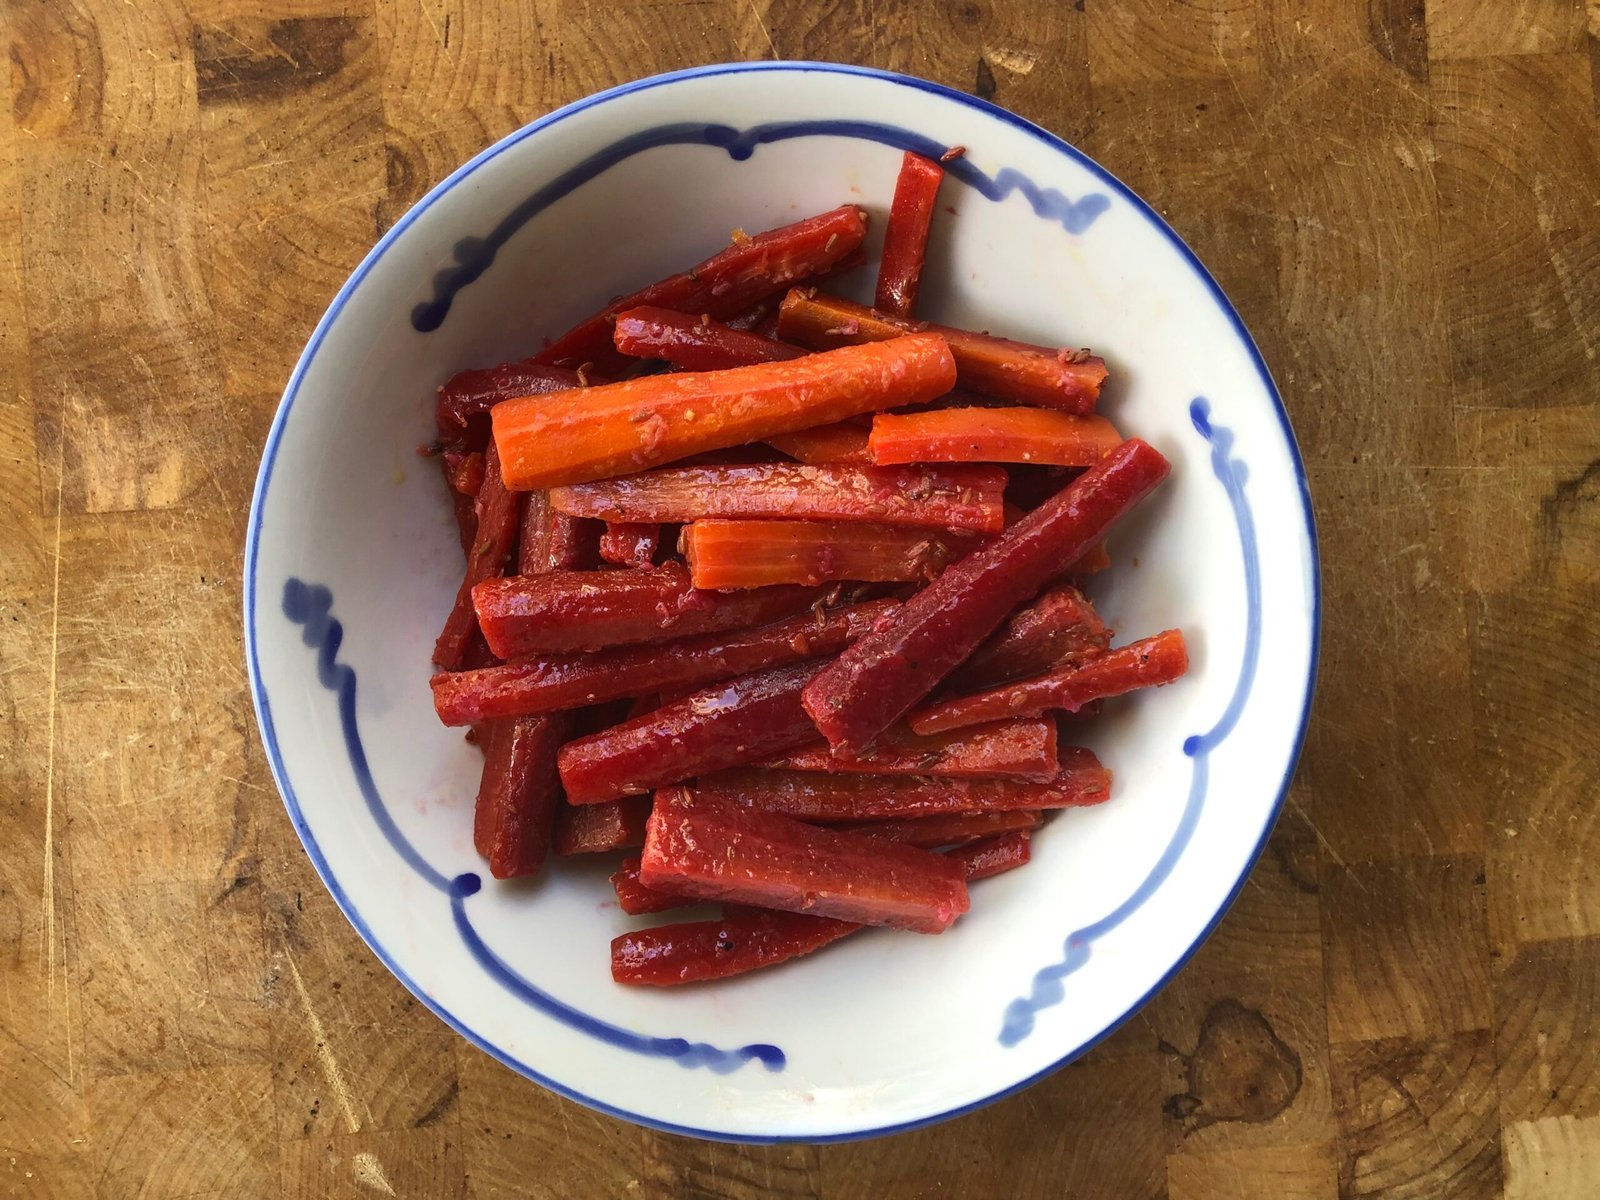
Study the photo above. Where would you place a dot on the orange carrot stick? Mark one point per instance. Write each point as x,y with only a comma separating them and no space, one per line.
1017,435
842,443
995,366
621,428
751,554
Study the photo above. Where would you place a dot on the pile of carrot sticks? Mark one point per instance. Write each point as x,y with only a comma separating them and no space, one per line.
785,594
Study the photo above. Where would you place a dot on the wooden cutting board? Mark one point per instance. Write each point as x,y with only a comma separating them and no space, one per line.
1403,199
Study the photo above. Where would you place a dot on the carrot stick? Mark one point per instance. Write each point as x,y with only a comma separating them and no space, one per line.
883,675
1015,371
762,318
463,475
620,428
596,828
747,939
1095,559
1018,435
518,794
725,284
949,829
1149,662
1034,638
634,898
463,471
722,851
694,343
905,238
739,941
1018,749
754,554
843,442
466,516
935,497
491,550
726,725
553,541
818,796
564,611
995,853
472,393
630,543
541,685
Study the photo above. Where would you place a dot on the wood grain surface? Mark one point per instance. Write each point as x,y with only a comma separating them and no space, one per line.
1403,199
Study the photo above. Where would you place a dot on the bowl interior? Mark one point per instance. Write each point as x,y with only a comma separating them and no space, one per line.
354,561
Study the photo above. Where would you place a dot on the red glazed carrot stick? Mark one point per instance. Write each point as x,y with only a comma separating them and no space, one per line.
694,343
1150,662
905,238
491,551
463,470
843,442
725,284
634,898
466,515
463,475
541,685
1035,637
518,795
620,428
474,392
630,543
1015,371
1018,749
817,796
755,554
721,851
995,855
553,541
739,941
949,829
742,720
596,828
1016,435
961,497
563,611
883,675
747,939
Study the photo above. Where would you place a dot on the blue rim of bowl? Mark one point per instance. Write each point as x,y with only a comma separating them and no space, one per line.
269,455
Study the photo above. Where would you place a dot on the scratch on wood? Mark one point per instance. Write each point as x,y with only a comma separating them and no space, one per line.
1326,845
325,1055
49,913
765,32
369,1171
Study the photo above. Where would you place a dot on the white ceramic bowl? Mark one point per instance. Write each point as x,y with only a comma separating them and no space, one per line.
352,562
